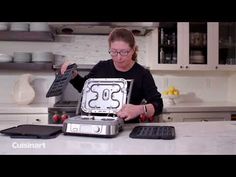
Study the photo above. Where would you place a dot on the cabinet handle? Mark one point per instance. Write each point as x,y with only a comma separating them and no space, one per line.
181,66
216,67
38,120
186,67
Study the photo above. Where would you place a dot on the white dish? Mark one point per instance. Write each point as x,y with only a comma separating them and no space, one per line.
59,59
5,58
21,57
197,57
39,26
42,57
19,26
3,26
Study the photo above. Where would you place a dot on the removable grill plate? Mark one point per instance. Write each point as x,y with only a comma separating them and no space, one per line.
61,81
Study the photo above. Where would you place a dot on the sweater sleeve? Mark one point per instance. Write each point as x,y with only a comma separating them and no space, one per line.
78,81
151,93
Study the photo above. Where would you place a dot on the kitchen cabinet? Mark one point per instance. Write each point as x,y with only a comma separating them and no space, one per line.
17,119
45,36
195,116
226,46
194,46
39,119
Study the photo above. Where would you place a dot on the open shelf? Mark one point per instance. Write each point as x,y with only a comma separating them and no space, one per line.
27,66
26,36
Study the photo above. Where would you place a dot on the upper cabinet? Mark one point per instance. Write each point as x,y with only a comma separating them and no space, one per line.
192,46
226,53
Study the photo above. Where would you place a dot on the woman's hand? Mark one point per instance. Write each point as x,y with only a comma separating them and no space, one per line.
64,68
130,111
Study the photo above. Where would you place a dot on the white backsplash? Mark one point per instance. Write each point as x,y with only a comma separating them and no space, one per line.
89,49
203,86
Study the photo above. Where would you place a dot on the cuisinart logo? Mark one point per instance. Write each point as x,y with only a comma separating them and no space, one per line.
16,145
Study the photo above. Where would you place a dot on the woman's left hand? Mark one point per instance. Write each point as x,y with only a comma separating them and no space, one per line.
129,111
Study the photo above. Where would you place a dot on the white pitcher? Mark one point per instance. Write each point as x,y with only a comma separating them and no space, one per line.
23,92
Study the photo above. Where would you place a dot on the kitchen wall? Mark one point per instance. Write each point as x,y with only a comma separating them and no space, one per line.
40,82
89,49
194,86
232,87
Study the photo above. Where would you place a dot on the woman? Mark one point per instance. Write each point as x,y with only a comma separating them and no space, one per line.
123,50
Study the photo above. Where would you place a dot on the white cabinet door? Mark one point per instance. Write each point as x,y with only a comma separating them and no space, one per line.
17,119
195,117
155,47
40,119
187,53
225,38
13,119
201,40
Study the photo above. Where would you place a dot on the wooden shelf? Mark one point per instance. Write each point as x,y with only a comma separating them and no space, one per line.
27,66
26,36
86,67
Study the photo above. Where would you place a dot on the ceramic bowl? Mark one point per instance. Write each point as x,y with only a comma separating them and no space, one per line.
169,99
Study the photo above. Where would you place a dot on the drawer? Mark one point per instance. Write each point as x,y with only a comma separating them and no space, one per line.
13,119
17,119
195,117
38,119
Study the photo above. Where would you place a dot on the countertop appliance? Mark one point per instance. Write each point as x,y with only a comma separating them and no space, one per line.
101,99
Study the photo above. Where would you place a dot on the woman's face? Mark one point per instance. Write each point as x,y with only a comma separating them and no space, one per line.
121,54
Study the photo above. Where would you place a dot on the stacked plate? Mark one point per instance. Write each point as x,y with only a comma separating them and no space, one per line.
3,26
22,57
197,57
39,26
5,58
42,57
19,26
59,59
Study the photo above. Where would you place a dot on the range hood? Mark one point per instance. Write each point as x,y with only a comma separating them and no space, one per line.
101,28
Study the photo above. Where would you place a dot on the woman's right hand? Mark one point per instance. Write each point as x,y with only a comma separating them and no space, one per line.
64,68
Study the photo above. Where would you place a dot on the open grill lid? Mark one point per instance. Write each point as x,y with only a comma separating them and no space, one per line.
104,95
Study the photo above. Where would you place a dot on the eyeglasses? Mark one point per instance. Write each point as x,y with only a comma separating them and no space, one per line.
122,53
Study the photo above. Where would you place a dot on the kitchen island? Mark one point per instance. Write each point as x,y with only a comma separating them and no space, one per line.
191,138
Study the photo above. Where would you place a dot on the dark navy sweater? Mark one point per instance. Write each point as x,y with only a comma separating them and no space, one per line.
144,87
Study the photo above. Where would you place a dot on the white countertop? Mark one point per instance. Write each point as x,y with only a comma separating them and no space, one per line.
191,138
201,107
